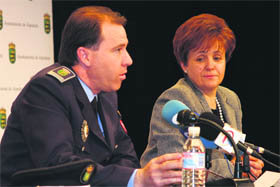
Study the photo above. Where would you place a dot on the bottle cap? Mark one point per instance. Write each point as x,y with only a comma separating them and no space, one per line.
194,131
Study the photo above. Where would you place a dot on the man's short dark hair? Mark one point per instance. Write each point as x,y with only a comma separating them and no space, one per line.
83,29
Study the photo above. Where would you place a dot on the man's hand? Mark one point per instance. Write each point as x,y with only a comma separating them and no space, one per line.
160,171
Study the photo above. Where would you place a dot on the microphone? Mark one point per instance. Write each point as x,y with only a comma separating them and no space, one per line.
237,165
220,139
261,150
180,116
171,111
256,148
204,117
173,108
236,135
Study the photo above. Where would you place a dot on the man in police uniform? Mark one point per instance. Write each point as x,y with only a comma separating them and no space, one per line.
53,122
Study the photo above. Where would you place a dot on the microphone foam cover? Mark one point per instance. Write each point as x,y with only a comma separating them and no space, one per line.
170,111
207,130
212,117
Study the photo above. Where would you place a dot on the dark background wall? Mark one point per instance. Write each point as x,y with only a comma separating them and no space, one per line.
253,71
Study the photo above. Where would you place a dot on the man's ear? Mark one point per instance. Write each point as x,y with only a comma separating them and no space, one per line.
83,56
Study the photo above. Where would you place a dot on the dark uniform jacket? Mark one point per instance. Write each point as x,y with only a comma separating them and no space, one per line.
48,126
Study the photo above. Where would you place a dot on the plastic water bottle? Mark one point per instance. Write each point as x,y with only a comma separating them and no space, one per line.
194,171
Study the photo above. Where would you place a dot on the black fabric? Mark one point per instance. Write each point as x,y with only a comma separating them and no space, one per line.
216,112
55,175
97,108
97,111
94,106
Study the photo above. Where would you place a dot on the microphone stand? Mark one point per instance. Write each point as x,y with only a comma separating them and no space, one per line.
191,118
246,165
237,181
237,172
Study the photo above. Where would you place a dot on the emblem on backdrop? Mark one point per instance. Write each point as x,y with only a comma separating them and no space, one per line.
47,23
1,19
3,121
12,52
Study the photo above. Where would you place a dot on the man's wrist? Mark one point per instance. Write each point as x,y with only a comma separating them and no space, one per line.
132,179
138,180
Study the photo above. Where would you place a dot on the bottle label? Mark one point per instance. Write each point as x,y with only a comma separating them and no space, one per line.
193,160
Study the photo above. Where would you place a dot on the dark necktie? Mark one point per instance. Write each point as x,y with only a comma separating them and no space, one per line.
97,114
94,106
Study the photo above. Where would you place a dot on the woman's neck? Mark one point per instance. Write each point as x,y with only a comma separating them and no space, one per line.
211,99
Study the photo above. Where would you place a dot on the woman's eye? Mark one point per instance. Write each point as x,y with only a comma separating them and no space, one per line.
199,59
217,58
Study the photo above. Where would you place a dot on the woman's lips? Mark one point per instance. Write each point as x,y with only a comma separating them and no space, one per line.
210,76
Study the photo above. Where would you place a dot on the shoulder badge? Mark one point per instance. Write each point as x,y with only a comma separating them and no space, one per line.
87,174
62,73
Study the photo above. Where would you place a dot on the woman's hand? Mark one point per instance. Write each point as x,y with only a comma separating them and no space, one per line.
256,166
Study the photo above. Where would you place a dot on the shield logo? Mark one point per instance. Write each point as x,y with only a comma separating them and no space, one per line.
1,20
84,131
12,52
47,23
63,72
3,118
